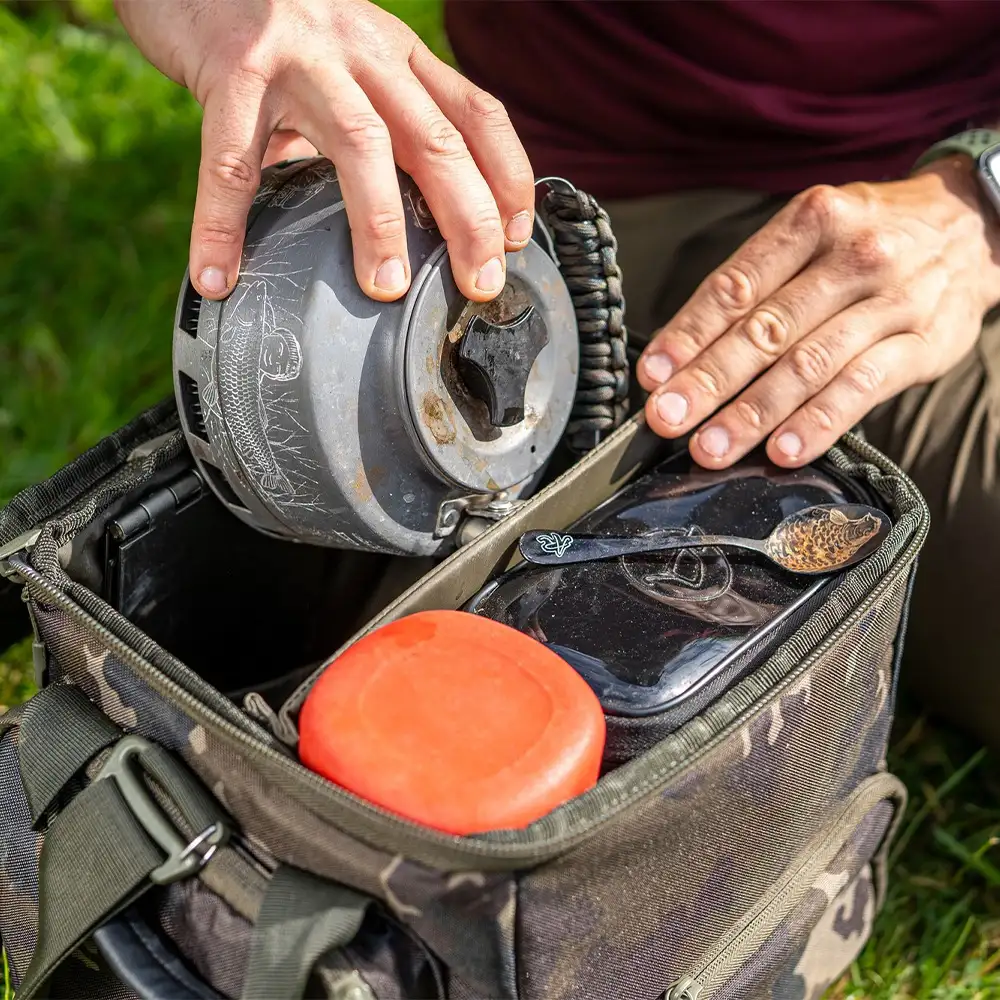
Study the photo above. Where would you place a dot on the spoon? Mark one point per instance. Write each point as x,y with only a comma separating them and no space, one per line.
818,539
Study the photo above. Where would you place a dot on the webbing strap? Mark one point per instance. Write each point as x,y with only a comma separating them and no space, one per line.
113,840
60,732
301,919
95,860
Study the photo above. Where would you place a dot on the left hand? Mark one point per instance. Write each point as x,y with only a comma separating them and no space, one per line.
844,299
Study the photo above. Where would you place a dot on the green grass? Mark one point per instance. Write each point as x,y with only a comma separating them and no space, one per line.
98,164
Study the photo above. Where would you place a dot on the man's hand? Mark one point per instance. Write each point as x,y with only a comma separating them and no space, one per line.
845,298
292,76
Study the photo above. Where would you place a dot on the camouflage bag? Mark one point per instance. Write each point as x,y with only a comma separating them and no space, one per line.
158,837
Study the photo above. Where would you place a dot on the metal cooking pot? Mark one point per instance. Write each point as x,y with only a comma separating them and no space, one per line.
317,414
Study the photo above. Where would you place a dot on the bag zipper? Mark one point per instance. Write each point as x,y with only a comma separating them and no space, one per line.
508,851
732,952
500,850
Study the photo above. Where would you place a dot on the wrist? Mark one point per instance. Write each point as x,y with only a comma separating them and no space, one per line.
952,184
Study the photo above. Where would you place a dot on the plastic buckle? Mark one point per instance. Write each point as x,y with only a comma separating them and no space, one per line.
24,542
183,859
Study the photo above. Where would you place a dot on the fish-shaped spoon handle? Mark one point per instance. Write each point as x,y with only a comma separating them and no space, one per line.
820,539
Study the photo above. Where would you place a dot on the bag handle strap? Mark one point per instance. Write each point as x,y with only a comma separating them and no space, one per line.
60,731
112,842
301,919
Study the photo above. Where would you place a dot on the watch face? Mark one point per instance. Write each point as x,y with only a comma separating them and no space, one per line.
989,172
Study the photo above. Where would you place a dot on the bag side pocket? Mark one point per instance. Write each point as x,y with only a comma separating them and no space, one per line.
813,923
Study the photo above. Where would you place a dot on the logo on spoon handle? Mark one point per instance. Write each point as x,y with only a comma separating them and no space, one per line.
554,544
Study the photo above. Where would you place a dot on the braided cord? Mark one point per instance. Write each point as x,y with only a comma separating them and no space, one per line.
587,252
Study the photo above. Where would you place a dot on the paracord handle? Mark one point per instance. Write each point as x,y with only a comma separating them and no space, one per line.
587,253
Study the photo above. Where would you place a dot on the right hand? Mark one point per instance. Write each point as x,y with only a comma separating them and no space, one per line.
279,77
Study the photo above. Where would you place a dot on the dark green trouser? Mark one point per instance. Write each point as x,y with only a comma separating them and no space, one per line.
946,436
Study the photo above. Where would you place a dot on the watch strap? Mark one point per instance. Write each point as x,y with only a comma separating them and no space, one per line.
972,143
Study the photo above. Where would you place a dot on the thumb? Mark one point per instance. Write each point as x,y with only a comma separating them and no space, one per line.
233,139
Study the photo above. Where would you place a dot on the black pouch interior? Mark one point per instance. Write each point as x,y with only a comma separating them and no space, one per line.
244,610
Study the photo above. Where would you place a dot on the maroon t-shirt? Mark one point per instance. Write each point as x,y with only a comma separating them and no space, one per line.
637,98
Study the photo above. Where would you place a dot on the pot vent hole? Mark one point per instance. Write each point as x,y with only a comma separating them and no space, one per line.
190,311
222,488
192,406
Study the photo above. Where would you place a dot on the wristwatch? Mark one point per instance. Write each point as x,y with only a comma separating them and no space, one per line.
983,146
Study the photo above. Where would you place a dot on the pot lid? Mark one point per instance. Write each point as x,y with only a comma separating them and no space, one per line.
489,386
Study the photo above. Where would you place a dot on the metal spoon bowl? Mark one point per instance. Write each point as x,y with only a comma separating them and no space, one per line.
821,539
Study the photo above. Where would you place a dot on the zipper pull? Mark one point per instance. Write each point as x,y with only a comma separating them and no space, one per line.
256,706
683,989
39,654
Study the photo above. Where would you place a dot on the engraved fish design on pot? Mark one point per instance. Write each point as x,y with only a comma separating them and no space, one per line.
241,375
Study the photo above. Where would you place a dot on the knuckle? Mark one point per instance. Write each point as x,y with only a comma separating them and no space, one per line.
821,415
484,225
768,330
365,134
216,234
687,338
864,377
234,171
869,252
256,67
822,206
894,297
384,227
752,412
733,287
708,379
484,107
367,34
826,285
442,141
812,363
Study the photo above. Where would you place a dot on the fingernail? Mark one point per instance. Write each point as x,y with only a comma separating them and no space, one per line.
715,441
519,228
672,408
391,275
213,280
658,367
789,444
490,275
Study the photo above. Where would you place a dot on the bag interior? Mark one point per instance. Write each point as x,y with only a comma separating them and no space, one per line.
258,618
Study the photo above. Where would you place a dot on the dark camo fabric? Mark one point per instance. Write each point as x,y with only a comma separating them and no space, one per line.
467,918
20,847
637,905
825,932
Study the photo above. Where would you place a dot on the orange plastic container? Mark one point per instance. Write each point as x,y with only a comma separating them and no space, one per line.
454,721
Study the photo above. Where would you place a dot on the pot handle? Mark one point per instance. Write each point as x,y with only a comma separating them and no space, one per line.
587,253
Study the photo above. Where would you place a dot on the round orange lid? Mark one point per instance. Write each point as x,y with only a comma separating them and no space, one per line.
454,721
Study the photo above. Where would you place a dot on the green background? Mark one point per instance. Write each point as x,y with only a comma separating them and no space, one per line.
98,162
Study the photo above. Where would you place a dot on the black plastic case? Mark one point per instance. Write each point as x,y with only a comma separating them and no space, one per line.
658,637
